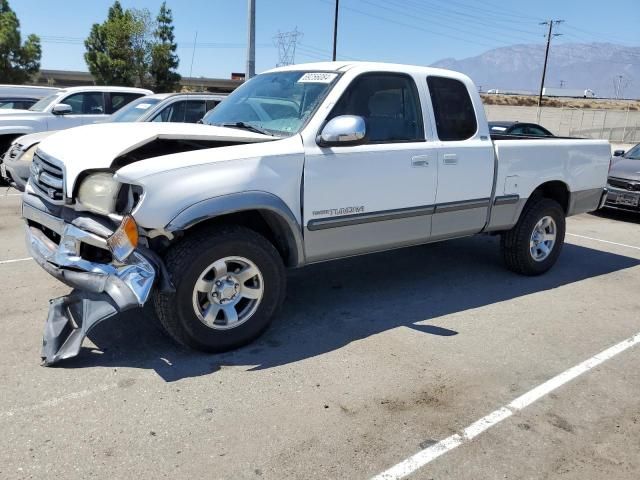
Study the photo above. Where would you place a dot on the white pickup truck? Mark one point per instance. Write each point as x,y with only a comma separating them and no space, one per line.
301,164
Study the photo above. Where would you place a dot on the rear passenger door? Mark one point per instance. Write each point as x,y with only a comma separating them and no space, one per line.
465,161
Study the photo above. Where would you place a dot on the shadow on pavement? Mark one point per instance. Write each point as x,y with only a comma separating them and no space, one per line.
333,304
619,215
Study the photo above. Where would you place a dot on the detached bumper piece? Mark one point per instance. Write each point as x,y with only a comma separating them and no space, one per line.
101,290
69,321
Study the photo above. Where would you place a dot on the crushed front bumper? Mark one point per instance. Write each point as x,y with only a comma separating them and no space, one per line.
101,290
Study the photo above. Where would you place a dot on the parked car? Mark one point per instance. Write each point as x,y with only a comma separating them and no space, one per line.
519,128
66,108
299,165
160,107
22,97
624,181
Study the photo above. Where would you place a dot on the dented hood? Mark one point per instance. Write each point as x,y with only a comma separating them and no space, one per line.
97,146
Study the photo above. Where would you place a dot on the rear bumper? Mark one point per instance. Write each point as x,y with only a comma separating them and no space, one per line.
101,290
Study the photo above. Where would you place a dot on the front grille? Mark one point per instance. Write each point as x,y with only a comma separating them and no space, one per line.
629,185
47,178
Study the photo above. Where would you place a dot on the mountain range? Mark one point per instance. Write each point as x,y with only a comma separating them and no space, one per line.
596,66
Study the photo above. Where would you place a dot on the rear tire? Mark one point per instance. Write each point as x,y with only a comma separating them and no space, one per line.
230,282
532,247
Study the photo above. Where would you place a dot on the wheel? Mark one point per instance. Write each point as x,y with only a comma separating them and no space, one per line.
230,282
532,247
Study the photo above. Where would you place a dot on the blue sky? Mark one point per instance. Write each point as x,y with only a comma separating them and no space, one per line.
404,31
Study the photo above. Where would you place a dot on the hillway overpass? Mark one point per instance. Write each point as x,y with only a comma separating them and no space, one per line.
65,78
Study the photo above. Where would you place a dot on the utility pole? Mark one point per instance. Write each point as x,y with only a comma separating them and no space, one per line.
335,30
251,43
550,35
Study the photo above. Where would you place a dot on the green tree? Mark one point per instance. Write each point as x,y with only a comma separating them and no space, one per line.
164,60
18,61
109,48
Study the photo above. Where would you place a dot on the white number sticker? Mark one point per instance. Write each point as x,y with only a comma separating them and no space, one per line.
318,77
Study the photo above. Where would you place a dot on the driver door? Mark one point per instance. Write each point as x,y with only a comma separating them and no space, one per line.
86,107
378,195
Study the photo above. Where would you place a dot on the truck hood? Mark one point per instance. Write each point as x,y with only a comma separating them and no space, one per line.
99,146
625,168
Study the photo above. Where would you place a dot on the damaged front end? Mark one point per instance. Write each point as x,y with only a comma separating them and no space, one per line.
77,250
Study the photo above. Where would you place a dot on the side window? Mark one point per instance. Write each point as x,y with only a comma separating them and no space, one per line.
173,113
536,131
89,103
390,105
119,100
453,109
195,110
211,104
518,130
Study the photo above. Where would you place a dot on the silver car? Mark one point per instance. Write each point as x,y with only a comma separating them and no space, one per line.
624,181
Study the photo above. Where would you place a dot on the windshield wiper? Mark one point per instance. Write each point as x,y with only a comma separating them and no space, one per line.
244,126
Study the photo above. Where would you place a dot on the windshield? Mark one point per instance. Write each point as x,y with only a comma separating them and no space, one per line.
133,111
41,105
633,154
279,103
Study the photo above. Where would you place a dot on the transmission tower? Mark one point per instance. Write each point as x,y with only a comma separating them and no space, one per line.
286,43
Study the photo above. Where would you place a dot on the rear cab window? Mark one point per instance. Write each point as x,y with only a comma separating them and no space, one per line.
453,109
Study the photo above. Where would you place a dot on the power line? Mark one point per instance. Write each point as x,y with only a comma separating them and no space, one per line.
550,35
286,43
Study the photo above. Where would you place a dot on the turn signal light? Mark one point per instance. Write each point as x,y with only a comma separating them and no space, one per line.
124,240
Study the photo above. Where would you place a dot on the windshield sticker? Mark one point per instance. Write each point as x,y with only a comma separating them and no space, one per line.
143,106
318,77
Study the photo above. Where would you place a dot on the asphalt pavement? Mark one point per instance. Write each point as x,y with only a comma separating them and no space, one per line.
373,360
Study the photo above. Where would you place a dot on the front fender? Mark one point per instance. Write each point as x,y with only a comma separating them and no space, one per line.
242,202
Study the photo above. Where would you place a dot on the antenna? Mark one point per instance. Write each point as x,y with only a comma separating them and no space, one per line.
286,43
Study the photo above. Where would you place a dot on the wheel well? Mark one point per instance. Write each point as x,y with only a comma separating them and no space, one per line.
6,140
268,224
555,190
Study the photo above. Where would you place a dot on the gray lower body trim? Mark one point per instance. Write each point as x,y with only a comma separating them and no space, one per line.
584,201
506,200
279,213
348,235
357,219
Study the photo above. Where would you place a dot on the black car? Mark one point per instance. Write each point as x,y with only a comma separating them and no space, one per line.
519,128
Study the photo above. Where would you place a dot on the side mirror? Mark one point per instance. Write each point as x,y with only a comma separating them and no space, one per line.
618,153
343,131
61,109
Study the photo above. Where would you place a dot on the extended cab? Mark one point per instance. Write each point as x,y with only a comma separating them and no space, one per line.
301,164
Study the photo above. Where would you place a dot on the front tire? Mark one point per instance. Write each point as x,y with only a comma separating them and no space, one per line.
532,247
230,282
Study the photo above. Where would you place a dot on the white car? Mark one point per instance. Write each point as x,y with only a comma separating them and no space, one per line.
66,108
301,164
159,107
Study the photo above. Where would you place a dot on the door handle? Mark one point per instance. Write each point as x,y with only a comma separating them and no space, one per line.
450,159
420,161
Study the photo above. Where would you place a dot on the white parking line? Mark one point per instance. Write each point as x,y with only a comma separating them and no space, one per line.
56,401
603,241
15,260
423,457
11,195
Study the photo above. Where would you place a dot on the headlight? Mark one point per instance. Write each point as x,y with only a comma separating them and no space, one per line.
99,193
27,155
